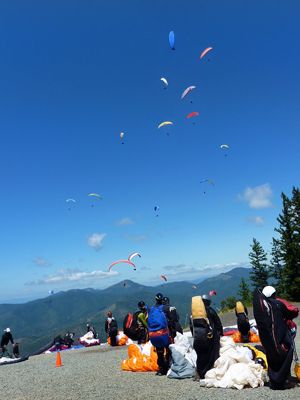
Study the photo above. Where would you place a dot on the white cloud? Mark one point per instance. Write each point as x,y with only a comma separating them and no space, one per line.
125,221
73,275
95,240
41,262
186,271
136,238
258,196
257,220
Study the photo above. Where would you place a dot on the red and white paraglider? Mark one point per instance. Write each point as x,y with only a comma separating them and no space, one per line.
128,261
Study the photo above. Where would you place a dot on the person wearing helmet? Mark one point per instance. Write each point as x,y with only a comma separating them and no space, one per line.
159,334
272,315
173,318
6,338
111,328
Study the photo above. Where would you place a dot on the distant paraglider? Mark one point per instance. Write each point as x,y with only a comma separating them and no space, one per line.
156,210
205,51
172,40
121,262
192,115
164,278
224,147
94,197
71,203
187,91
51,292
208,181
212,293
131,257
164,124
165,82
122,136
194,287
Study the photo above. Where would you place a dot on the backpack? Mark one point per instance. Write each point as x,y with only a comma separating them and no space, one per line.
202,332
131,327
157,319
113,327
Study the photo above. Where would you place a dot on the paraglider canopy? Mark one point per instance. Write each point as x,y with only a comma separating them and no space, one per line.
212,293
165,82
131,256
205,51
165,123
187,91
172,40
163,277
192,114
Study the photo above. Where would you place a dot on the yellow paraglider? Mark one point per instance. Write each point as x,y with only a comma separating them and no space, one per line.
165,123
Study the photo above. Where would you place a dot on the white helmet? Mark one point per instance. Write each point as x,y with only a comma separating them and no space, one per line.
268,291
7,330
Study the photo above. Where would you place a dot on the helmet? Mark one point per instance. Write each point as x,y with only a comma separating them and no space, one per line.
206,299
159,297
268,291
109,314
7,330
166,301
260,361
141,304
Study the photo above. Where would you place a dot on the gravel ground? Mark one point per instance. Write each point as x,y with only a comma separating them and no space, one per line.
95,373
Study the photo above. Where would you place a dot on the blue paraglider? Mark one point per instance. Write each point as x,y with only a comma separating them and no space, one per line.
156,210
172,40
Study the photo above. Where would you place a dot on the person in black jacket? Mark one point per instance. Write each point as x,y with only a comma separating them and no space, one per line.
172,317
6,338
207,349
243,323
111,328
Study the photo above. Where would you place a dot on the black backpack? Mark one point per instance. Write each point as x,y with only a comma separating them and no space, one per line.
131,327
202,332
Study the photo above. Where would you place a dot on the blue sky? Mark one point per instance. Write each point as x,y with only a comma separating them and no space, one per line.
73,75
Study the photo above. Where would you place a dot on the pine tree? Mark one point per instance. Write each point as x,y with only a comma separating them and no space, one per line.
260,270
277,267
289,244
244,293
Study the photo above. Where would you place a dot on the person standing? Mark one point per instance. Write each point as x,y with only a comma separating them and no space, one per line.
111,328
173,318
6,338
206,328
243,324
159,334
271,317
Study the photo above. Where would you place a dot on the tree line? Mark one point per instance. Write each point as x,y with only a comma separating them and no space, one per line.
282,268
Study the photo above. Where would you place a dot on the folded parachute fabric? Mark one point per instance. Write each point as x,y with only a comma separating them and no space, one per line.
234,368
88,340
7,360
183,358
253,337
140,358
122,340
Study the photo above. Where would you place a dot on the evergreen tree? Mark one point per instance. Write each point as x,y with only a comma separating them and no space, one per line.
289,244
260,270
244,293
276,267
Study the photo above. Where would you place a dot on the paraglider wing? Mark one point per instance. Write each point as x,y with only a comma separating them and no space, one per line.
172,40
120,262
224,146
121,135
164,278
205,51
164,124
192,114
187,91
70,201
212,293
194,287
165,82
130,258
95,196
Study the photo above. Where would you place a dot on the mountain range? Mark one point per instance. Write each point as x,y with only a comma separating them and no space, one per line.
37,322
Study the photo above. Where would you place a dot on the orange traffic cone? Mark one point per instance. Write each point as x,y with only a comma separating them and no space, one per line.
58,360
